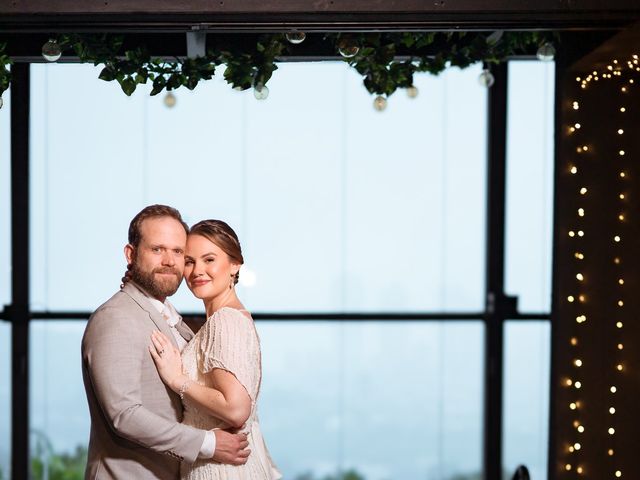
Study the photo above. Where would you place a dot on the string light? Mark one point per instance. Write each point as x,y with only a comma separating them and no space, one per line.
622,172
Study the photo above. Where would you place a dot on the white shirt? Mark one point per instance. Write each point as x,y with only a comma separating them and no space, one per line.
172,317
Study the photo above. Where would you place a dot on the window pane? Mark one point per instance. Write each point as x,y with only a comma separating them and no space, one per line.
526,396
340,204
58,409
5,200
339,396
530,184
5,400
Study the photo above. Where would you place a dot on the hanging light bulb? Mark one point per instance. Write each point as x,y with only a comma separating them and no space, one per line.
170,100
295,37
486,78
380,103
260,91
546,52
51,51
348,47
412,91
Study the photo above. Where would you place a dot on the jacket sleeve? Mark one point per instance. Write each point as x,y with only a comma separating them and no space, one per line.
115,353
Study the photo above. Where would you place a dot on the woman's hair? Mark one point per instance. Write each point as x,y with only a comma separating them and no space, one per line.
220,233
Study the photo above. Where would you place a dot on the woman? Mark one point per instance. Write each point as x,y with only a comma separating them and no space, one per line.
218,376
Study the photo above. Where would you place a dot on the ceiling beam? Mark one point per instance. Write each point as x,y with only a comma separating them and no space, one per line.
317,15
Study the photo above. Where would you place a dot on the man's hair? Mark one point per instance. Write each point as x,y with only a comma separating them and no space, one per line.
152,211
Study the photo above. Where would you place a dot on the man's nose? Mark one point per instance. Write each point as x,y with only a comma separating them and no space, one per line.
167,259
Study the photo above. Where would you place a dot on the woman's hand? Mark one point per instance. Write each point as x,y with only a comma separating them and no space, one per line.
168,361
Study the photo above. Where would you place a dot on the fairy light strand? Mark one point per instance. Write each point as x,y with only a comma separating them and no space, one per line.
573,465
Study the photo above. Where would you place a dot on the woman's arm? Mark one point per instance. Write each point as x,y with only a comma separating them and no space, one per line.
230,401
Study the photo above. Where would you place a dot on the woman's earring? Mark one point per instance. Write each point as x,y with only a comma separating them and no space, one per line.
231,282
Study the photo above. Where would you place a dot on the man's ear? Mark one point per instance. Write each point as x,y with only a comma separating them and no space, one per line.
129,253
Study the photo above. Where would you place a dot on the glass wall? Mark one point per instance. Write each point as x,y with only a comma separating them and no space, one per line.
385,400
339,207
59,415
5,200
528,263
5,285
529,206
526,396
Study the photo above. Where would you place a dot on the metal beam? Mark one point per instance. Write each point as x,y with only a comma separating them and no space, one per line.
19,309
320,316
498,306
323,15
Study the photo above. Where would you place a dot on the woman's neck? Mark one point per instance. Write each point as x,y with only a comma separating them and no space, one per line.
227,299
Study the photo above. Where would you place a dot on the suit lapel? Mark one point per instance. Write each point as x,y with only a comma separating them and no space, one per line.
140,297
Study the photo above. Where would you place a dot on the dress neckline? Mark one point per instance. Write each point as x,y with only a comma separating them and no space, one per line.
237,310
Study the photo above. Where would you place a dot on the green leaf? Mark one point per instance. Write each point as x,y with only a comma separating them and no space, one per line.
107,74
128,86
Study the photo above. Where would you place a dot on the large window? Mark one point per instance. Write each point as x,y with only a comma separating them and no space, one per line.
526,401
5,287
529,221
340,209
387,400
530,184
5,400
59,415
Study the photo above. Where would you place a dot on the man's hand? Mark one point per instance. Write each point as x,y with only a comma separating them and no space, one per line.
231,448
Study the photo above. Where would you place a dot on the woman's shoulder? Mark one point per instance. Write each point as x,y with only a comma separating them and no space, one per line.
231,317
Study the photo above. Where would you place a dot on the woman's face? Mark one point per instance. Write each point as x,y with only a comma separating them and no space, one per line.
207,268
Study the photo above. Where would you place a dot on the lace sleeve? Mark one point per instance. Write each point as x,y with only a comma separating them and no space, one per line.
230,342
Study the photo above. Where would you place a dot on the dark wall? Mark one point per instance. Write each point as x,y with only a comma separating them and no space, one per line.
597,317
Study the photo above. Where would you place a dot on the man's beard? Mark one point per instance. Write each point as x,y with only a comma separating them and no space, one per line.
156,287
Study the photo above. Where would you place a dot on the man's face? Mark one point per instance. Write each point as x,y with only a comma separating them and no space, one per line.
157,263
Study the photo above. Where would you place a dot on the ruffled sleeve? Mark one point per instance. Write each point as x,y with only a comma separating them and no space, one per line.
230,342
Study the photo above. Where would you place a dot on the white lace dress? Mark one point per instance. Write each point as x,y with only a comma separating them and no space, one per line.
228,340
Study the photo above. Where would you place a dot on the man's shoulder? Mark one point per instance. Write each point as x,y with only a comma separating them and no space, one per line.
118,300
112,315
119,305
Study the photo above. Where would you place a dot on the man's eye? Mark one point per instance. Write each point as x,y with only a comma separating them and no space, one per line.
156,249
177,251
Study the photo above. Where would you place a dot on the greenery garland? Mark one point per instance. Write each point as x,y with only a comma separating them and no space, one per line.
386,61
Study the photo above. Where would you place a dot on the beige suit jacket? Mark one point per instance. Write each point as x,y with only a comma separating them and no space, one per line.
135,419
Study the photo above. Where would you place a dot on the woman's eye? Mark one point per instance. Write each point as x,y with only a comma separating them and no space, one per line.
188,262
209,260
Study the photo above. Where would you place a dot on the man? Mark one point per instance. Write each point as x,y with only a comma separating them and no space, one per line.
135,420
